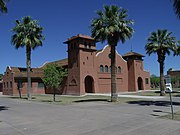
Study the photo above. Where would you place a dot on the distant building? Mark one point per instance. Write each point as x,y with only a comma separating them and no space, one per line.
89,70
175,77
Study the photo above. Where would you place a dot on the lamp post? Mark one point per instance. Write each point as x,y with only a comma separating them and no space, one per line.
169,90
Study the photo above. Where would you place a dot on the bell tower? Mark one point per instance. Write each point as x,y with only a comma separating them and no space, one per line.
135,71
81,64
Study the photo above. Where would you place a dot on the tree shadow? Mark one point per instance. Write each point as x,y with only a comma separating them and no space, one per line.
2,108
92,100
49,101
25,98
153,103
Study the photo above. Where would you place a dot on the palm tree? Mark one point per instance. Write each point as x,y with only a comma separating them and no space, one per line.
176,5
112,25
161,43
27,34
3,7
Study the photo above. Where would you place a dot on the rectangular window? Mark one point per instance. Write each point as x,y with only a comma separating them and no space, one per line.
40,85
147,81
4,85
7,85
10,84
19,84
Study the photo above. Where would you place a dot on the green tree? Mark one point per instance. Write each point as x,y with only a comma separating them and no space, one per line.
176,5
53,77
3,7
178,50
27,33
161,43
154,81
1,75
112,26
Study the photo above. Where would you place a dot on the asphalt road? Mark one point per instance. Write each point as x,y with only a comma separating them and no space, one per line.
18,117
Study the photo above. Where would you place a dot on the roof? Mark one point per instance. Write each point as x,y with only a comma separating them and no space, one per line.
22,72
79,36
63,62
35,72
132,54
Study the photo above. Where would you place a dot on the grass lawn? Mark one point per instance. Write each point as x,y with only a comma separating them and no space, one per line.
169,116
65,100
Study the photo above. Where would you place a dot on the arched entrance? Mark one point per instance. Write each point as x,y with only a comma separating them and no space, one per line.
140,83
89,84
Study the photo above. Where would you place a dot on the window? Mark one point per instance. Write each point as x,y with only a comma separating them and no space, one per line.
110,69
4,85
85,44
109,55
101,68
147,81
7,85
19,84
106,68
40,85
89,45
119,69
10,84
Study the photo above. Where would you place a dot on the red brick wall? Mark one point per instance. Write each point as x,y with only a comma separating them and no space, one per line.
104,78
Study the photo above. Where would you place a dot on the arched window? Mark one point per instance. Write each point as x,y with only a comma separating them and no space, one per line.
110,69
85,44
119,69
106,68
101,68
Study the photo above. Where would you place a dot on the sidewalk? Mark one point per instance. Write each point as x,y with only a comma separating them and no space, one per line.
127,95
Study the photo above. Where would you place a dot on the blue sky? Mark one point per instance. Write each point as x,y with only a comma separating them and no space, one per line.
62,19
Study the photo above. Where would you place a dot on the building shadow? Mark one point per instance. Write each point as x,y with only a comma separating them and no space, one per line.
2,108
153,103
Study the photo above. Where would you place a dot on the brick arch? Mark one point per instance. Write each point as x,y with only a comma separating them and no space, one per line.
140,83
89,84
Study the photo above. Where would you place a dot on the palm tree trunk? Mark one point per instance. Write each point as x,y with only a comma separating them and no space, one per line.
28,64
54,94
113,74
162,86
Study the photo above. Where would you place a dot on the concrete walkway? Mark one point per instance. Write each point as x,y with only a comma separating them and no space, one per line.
125,94
20,117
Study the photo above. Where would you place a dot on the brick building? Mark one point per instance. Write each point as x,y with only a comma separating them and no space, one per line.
89,70
15,79
175,78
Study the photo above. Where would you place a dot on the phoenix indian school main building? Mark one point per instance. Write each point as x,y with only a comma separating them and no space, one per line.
89,71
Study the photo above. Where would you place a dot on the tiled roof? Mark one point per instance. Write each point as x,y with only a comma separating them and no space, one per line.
63,62
35,72
132,54
22,72
79,36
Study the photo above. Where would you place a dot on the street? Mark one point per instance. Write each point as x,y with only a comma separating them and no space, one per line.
21,117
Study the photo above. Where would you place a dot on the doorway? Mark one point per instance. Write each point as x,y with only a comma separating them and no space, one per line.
140,83
89,84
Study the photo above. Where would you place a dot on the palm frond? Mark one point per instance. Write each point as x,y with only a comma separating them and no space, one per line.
27,33
176,5
112,25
